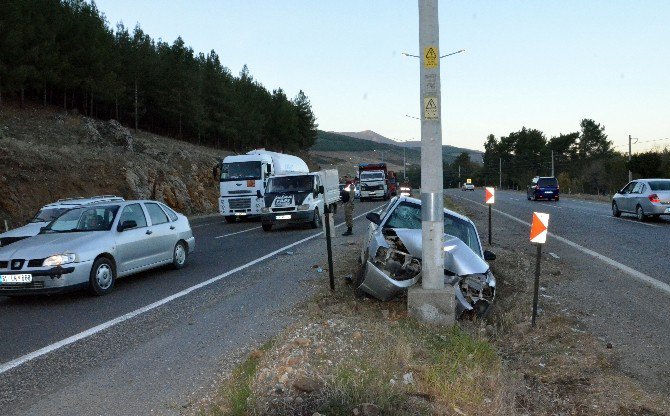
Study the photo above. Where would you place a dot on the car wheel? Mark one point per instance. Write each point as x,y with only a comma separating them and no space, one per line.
316,221
639,212
267,227
615,210
527,197
102,277
179,255
230,219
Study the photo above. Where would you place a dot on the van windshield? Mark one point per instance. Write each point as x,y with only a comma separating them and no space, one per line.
298,183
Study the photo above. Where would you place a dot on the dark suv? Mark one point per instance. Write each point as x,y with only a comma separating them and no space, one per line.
543,187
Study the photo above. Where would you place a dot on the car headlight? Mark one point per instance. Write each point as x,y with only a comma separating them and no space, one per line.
59,259
303,207
265,210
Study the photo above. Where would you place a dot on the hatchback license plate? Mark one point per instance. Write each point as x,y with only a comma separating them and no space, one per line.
284,217
548,192
16,278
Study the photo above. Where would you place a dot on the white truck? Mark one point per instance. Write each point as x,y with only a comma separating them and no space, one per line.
243,179
373,179
300,198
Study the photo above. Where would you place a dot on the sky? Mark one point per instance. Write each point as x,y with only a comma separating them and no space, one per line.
537,64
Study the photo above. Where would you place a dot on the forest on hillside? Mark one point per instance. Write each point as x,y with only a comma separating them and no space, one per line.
584,161
64,53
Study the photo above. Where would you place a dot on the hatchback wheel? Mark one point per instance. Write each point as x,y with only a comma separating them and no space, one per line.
179,255
102,277
615,210
640,214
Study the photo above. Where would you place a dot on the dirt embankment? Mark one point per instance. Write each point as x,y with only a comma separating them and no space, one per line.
46,155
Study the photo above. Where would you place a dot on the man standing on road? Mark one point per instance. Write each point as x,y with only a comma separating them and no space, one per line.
347,196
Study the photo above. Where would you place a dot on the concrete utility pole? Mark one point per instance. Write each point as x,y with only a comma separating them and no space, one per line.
432,302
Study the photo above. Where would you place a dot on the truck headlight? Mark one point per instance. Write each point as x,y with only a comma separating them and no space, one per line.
59,259
303,207
265,210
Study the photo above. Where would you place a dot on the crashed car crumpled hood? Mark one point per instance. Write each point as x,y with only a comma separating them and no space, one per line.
458,257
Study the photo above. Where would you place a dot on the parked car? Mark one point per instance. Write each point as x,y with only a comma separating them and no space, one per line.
644,198
391,256
543,187
93,245
48,213
468,187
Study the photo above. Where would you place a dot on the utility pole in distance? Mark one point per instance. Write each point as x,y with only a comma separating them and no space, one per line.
432,302
500,175
630,156
552,163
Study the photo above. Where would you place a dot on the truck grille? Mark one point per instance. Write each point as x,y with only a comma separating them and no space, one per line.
283,209
239,203
374,187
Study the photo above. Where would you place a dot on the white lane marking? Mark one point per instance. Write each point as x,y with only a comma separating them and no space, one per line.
636,274
105,325
554,255
239,232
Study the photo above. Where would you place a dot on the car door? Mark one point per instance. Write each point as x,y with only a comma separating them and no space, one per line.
623,201
132,250
162,237
634,196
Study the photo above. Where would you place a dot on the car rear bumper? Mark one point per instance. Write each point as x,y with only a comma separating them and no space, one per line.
48,281
546,194
657,209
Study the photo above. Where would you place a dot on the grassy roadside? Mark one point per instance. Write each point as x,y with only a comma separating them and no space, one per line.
364,357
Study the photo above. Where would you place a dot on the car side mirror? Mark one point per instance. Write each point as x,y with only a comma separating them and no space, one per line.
489,255
374,217
126,225
259,194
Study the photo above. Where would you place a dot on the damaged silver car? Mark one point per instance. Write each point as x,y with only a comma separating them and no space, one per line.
391,256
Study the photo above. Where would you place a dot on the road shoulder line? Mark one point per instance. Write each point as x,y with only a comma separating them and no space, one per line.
657,284
4,367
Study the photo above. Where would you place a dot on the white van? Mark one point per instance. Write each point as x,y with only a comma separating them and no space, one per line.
300,198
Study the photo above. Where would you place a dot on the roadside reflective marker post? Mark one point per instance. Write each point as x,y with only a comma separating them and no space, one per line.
329,248
538,236
490,200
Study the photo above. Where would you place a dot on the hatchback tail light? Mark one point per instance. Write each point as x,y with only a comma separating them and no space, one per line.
654,198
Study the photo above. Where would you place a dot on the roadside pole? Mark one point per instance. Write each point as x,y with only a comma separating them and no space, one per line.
329,248
538,236
6,226
489,199
432,302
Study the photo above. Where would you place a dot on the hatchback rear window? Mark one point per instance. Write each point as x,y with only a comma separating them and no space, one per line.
659,185
547,182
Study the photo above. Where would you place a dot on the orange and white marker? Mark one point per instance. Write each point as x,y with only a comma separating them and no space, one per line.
490,195
538,231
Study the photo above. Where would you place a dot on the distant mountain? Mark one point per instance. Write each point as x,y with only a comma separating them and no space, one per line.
370,140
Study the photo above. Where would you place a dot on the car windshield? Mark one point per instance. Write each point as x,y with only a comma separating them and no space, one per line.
98,218
240,170
659,185
372,176
408,215
547,182
48,214
301,183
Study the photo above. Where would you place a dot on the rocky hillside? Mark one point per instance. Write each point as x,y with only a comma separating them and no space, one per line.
47,155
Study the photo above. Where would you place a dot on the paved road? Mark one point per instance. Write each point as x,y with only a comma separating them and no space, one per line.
615,273
158,359
641,246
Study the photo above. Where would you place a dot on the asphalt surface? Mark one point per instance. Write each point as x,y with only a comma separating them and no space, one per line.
641,246
613,303
159,360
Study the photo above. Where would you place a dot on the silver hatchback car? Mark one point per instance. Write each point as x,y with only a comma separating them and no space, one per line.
91,246
644,198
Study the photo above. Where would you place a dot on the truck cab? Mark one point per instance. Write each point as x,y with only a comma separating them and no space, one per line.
373,180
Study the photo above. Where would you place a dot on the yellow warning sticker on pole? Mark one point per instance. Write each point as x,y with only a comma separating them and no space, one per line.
430,108
430,57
